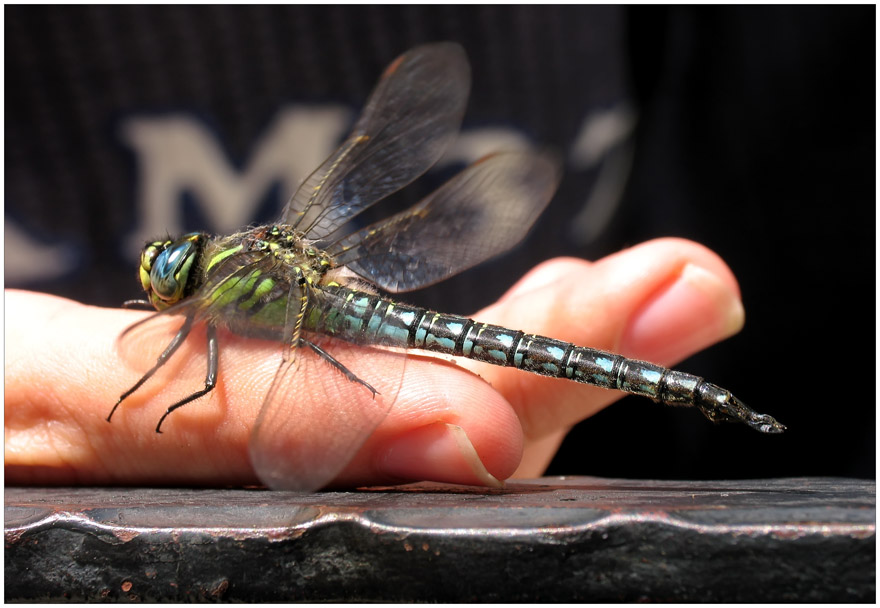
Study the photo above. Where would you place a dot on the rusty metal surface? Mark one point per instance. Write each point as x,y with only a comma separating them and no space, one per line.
551,539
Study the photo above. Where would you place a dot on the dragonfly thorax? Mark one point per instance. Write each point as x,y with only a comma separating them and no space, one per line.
290,247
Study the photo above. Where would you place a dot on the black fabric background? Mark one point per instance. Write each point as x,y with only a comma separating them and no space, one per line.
755,137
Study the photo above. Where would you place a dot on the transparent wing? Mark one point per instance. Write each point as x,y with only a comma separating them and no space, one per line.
315,418
481,212
409,120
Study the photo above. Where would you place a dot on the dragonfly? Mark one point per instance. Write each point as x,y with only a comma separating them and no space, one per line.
317,286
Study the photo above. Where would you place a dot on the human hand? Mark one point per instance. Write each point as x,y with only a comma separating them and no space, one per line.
660,301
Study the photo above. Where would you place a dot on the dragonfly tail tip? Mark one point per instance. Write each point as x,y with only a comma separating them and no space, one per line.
718,405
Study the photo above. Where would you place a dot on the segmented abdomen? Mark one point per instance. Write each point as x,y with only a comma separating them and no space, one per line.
365,318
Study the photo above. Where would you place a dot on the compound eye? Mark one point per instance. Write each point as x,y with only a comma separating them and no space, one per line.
170,271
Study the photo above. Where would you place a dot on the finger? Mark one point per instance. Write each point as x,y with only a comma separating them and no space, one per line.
64,373
659,301
447,425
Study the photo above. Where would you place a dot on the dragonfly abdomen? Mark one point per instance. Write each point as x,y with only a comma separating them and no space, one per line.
365,318
463,337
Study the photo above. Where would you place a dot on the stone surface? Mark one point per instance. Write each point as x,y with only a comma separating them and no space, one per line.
543,540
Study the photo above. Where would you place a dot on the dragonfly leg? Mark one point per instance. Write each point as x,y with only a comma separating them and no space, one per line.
210,377
329,359
297,303
719,405
162,360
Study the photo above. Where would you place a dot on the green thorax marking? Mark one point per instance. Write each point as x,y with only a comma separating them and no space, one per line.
255,293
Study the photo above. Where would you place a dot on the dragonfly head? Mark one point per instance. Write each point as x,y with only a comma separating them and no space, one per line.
168,268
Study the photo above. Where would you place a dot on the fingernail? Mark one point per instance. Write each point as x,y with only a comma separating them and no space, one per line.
697,310
437,452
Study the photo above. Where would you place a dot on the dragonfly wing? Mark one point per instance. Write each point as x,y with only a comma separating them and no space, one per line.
315,415
410,119
482,212
315,419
